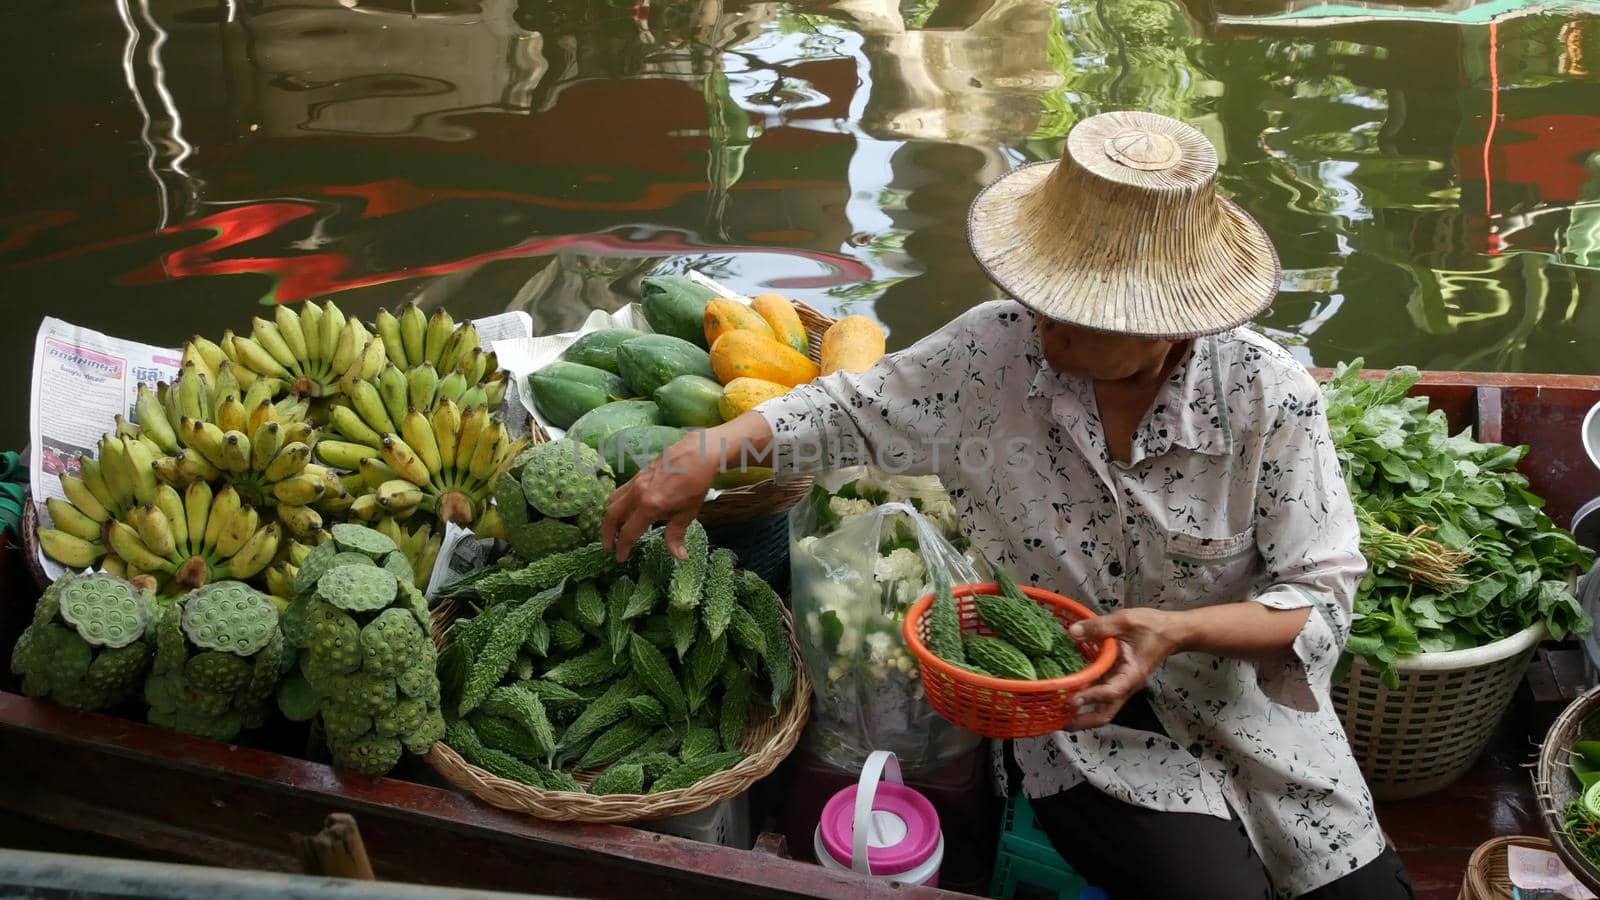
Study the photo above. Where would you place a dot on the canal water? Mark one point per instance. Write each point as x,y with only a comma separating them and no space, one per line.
1431,178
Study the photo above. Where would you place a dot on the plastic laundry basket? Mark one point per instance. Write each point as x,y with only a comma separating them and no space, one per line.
1427,732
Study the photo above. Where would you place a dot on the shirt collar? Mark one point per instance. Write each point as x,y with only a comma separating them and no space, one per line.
1189,410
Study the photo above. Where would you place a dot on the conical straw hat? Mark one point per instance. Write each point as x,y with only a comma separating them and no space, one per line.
1126,234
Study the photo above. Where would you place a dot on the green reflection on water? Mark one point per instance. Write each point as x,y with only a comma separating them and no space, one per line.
1432,188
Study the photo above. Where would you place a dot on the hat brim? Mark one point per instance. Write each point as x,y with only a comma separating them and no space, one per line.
1214,285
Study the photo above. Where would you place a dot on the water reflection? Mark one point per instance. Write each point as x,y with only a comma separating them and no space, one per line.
1432,187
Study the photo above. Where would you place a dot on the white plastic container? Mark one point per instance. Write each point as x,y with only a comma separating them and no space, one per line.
883,830
727,824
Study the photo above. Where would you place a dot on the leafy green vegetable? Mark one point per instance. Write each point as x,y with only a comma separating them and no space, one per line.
1460,553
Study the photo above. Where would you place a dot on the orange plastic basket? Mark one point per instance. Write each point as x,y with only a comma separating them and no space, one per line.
1000,707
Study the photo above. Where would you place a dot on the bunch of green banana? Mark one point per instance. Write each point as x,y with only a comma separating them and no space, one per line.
192,539
458,366
441,463
261,447
420,546
315,352
117,479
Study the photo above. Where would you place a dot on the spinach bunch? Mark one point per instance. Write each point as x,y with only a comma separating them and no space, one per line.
1429,502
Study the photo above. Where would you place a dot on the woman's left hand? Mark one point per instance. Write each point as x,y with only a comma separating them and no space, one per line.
1146,638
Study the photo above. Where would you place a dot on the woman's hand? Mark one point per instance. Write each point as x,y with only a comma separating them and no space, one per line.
671,489
1146,637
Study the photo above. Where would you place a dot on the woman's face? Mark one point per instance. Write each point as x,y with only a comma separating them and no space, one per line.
1100,357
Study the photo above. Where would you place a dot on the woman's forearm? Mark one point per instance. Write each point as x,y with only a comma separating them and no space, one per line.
744,442
1243,630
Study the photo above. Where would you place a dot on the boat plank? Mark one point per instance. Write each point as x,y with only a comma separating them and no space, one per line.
61,761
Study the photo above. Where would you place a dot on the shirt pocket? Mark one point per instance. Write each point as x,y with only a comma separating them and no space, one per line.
1202,571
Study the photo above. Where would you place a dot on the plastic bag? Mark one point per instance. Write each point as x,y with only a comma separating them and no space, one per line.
858,564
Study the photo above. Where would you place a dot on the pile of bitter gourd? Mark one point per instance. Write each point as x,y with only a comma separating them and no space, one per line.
1028,644
643,675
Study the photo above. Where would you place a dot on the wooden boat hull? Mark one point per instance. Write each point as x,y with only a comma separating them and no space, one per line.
205,802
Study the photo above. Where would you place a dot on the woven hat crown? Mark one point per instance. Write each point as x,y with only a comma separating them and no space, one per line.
1126,234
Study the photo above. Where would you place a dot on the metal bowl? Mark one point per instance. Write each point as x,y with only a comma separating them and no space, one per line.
1591,434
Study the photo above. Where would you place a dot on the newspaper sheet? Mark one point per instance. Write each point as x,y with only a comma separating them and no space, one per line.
82,379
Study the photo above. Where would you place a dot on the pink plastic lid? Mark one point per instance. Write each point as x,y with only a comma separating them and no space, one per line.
911,827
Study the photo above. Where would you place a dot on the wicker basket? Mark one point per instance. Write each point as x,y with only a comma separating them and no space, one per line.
1427,732
30,544
1555,786
767,742
1488,877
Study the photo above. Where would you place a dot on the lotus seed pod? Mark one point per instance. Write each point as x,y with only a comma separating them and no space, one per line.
229,616
558,478
104,609
170,649
194,701
48,605
297,700
117,671
222,726
360,539
397,565
431,731
368,695
293,623
416,602
404,717
343,725
544,537
264,674
333,643
161,693
391,643
60,653
358,588
316,564
421,681
352,559
371,754
213,670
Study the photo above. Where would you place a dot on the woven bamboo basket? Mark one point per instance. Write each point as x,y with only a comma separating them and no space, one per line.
768,741
1554,785
1488,874
1427,732
30,543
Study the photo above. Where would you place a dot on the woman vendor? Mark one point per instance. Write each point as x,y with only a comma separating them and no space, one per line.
1117,435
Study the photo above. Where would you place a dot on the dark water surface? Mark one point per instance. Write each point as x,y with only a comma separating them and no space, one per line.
1433,187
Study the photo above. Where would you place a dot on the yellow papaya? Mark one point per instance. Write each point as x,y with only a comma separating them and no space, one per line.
851,344
723,316
741,395
746,354
781,317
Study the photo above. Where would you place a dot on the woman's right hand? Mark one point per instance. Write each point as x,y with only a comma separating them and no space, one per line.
671,489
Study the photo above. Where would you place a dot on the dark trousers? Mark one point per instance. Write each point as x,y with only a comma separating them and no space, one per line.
1133,853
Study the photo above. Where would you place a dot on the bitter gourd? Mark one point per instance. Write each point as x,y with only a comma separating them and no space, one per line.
588,605
944,625
690,773
701,670
764,605
652,670
999,658
617,627
644,597
647,709
1017,621
621,778
746,631
461,737
523,706
589,667
615,743
689,575
604,711
700,741
500,650
582,564
719,595
683,624
565,637
734,713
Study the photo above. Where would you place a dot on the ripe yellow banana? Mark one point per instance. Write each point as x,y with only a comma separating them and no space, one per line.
264,446
280,580
298,551
235,453
366,508
487,452
94,479
206,351
231,415
299,490
236,531
116,471
171,506
225,385
125,541
224,506
167,471
153,420
68,549
446,424
472,423
392,388
299,521
344,454
142,463
475,396
298,433
256,553
270,339
475,365
197,499
375,472
203,437
84,500
413,334
194,467
255,357
404,460
488,525
439,328
289,462
155,532
418,434
462,343
369,405
70,519
399,497
347,423
112,564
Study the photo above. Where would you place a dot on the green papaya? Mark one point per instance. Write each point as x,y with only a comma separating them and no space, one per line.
599,348
631,449
563,391
649,362
690,401
677,306
602,422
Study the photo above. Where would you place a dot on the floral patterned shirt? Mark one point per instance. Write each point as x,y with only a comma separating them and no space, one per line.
1232,492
